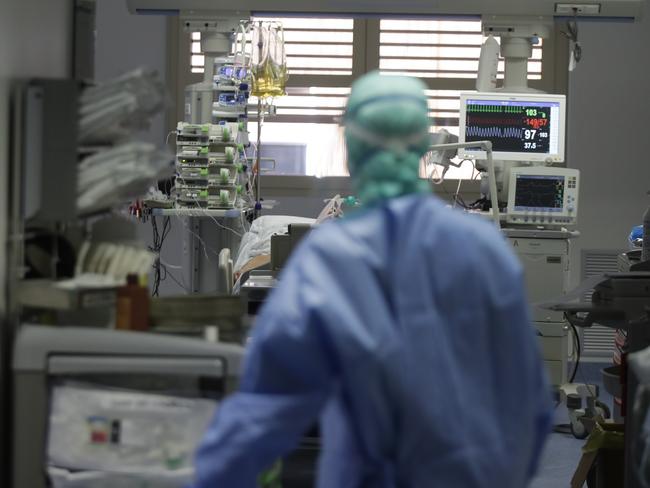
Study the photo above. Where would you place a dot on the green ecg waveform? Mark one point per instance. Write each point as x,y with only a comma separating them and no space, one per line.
495,109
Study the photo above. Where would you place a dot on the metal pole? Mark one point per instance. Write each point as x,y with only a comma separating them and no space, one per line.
258,162
492,181
195,226
258,183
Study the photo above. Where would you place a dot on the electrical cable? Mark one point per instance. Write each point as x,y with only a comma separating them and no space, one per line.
206,248
224,227
158,239
566,428
253,172
592,393
167,138
172,266
578,349
174,279
576,345
242,221
461,201
571,34
455,198
249,176
167,226
156,263
437,180
460,182
446,192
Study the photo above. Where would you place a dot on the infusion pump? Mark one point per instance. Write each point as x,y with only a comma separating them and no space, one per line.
544,195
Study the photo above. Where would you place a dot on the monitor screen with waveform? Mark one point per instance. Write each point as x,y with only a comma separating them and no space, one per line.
521,127
535,192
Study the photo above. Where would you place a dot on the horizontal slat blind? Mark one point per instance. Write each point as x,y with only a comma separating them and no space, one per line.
314,104
438,49
444,106
318,46
313,46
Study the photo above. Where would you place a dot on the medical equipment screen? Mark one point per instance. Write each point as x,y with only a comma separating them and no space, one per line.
539,192
514,126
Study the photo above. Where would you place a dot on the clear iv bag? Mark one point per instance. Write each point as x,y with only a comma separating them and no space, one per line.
268,60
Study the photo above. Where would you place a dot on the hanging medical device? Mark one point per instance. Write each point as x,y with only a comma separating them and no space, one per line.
517,37
211,169
268,60
525,126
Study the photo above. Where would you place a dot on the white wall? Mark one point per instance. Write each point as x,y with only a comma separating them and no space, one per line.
125,42
609,105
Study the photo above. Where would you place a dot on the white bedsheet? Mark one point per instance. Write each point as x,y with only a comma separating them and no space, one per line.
257,240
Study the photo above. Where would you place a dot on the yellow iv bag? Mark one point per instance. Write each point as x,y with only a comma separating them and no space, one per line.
269,63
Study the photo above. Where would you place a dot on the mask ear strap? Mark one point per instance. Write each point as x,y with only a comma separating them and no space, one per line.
399,145
380,98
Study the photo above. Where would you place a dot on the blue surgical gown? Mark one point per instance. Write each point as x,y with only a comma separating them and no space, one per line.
405,330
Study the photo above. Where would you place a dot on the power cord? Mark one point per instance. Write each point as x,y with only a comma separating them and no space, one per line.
578,349
571,34
160,271
206,248
222,226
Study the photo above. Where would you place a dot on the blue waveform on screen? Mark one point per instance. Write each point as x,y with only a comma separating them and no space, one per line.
491,132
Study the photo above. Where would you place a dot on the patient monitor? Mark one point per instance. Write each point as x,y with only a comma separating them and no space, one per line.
543,196
525,127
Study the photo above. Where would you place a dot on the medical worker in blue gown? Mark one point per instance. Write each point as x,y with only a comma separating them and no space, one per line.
403,327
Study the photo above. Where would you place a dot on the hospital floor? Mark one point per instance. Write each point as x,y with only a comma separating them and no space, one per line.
562,451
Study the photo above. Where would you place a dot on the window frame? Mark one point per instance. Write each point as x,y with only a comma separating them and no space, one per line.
366,57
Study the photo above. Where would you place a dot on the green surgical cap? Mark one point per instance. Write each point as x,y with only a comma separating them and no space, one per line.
386,134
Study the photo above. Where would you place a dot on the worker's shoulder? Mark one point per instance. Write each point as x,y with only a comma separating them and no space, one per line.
470,234
430,213
333,236
415,221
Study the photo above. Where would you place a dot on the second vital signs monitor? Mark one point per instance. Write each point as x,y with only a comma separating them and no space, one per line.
527,127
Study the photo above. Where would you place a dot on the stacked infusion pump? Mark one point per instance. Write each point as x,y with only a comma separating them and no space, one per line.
540,197
210,158
209,165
